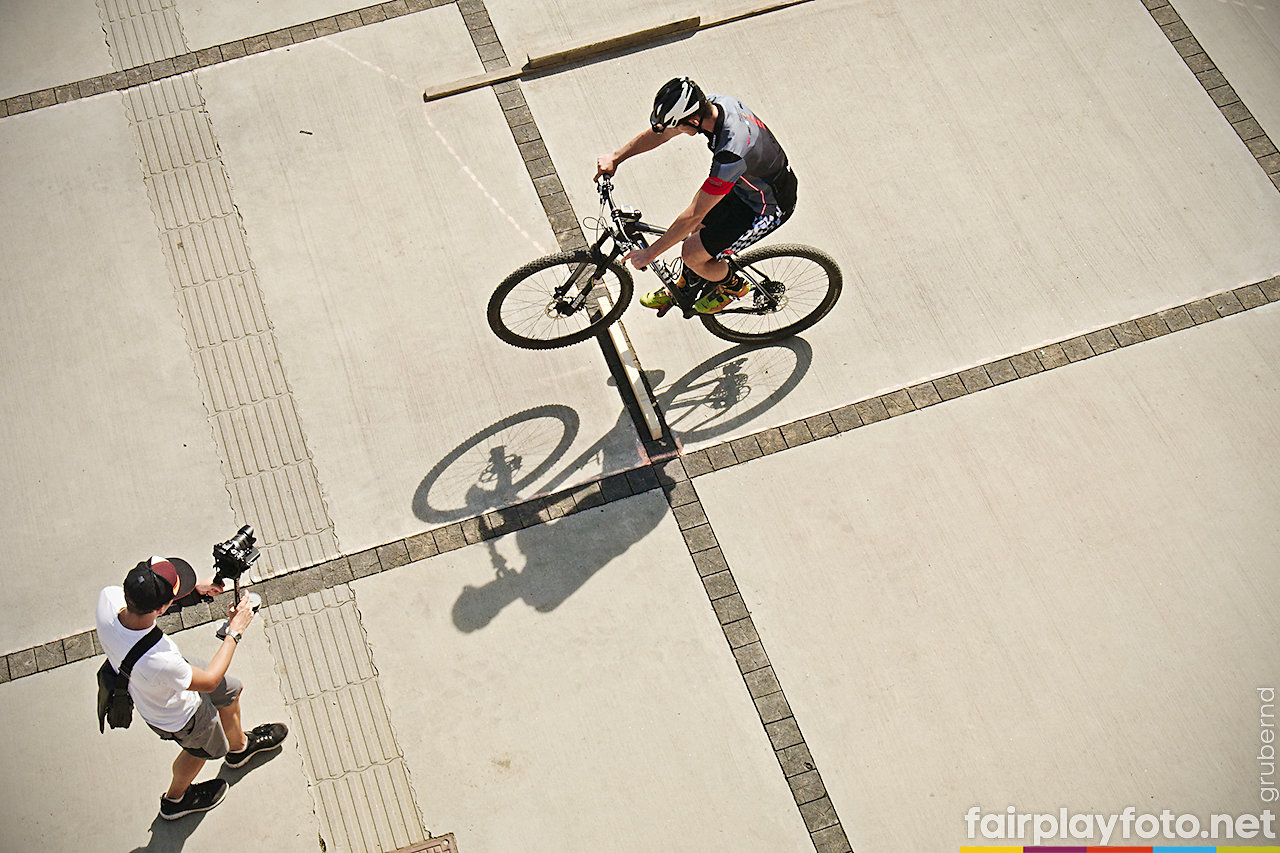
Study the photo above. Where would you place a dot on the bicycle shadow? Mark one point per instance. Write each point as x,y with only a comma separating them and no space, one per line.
511,461
170,836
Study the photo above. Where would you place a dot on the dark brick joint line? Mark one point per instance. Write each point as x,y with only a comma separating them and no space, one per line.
1215,84
674,476
524,130
668,472
791,751
193,60
766,692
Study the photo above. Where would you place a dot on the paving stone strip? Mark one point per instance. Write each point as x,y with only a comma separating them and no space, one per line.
543,508
816,809
174,58
1215,84
169,57
546,182
333,681
268,468
763,686
524,130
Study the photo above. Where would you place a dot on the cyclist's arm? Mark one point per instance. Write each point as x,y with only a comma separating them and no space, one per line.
647,140
685,224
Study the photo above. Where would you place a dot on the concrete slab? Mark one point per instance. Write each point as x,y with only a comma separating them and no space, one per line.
991,176
379,226
106,441
49,43
63,778
543,26
208,23
1243,38
1053,593
583,699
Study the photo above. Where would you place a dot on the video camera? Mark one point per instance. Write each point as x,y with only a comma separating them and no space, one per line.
233,558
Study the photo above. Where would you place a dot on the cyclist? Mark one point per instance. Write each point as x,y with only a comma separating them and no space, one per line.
750,192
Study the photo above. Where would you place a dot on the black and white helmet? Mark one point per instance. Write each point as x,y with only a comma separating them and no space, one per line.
678,99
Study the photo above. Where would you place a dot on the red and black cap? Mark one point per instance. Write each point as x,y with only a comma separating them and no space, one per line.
156,581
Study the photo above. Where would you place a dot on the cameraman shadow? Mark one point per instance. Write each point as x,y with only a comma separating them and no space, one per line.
169,836
560,555
559,558
722,393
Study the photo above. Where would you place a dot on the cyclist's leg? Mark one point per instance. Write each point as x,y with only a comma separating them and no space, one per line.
699,269
704,251
743,230
728,218
696,258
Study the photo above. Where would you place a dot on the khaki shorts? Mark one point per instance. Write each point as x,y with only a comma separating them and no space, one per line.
203,736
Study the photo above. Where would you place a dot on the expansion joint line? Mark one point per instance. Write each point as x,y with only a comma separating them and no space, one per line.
792,753
546,182
1215,84
762,683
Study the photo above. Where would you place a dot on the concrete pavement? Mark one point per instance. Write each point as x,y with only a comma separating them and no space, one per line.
998,531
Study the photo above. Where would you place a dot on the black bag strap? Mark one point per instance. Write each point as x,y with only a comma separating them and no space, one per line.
139,649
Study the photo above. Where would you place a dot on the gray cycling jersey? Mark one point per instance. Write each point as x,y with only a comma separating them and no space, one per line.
746,158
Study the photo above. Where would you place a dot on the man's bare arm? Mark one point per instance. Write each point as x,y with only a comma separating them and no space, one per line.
207,680
607,164
684,225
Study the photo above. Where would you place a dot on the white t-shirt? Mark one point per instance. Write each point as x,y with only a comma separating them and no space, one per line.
161,678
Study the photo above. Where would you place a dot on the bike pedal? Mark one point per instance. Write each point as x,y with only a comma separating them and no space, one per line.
665,308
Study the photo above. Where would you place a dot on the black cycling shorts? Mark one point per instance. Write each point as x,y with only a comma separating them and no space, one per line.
732,225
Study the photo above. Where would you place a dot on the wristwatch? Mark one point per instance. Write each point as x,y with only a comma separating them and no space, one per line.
235,635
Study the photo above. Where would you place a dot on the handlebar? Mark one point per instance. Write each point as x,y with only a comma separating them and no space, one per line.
620,217
604,186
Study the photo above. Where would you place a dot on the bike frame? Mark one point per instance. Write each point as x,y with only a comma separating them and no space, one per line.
628,232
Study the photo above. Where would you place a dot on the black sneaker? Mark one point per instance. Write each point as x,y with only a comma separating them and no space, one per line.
198,798
263,738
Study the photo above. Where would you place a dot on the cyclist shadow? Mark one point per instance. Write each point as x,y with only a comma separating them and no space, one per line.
722,393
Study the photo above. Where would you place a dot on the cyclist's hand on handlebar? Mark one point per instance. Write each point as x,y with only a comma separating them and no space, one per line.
641,258
605,165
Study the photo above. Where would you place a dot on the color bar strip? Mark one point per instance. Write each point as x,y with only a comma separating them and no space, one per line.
1094,849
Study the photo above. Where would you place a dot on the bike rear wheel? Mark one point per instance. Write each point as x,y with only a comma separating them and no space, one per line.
801,286
532,307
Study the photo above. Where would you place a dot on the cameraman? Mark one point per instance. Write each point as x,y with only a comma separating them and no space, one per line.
198,708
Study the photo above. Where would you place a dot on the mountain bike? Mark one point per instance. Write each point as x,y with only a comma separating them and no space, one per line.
567,297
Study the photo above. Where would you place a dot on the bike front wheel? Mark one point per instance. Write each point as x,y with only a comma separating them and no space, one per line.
795,287
558,300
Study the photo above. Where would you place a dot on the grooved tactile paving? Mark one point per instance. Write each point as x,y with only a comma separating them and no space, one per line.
269,472
141,31
354,767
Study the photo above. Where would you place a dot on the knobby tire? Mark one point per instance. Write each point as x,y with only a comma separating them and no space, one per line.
812,281
522,313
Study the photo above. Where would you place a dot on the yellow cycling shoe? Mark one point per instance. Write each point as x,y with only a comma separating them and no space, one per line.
658,299
722,295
